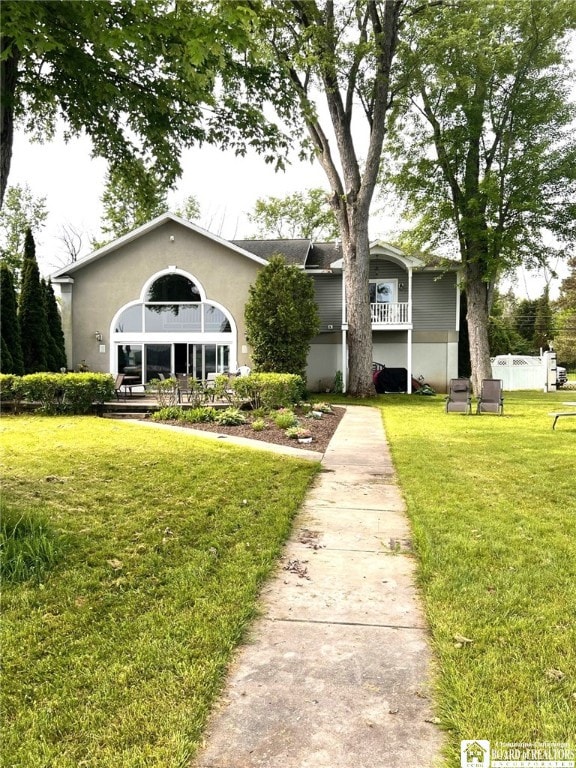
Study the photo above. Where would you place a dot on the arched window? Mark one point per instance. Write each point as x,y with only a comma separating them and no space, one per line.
173,329
173,287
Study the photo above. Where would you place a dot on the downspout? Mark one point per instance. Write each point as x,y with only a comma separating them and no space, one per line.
65,285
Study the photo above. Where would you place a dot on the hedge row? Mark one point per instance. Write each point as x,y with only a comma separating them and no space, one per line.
73,393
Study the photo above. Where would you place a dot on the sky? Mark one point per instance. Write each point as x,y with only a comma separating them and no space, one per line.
226,187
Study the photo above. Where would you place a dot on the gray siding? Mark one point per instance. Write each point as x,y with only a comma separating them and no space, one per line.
328,289
434,301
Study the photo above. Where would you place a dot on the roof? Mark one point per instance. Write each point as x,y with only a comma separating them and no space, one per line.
159,221
302,253
299,252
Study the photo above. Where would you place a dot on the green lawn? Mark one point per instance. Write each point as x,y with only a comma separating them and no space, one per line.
163,539
492,502
158,544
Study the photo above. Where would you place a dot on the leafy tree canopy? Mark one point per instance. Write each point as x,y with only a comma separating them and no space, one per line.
487,161
133,196
142,78
305,215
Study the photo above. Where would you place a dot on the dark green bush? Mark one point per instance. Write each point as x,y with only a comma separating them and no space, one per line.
73,393
269,390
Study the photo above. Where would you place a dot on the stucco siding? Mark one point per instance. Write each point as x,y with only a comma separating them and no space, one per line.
223,275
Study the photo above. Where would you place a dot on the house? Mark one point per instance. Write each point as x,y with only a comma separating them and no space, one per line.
169,298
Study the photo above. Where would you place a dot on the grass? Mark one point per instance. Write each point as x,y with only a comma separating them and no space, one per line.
492,502
29,547
113,655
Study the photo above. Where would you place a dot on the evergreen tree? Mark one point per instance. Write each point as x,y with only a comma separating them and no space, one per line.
56,348
32,313
11,361
281,318
6,363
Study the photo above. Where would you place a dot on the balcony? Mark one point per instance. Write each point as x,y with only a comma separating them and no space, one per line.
390,315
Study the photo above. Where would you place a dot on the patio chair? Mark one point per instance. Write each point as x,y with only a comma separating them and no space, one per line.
118,386
491,399
459,398
183,386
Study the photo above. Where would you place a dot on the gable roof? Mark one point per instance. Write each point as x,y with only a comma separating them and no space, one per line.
295,252
300,252
159,221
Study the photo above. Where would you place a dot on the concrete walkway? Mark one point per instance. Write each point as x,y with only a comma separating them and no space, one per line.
334,674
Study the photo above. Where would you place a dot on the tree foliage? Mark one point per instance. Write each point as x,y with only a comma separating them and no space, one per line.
281,318
335,60
133,195
142,79
56,351
21,210
11,360
489,91
34,331
306,215
565,336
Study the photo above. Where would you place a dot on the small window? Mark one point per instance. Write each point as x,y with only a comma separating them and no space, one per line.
173,288
382,291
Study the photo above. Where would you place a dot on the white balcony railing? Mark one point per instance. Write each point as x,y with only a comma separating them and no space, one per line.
393,313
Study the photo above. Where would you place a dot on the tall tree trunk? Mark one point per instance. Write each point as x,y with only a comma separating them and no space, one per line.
8,80
356,254
477,316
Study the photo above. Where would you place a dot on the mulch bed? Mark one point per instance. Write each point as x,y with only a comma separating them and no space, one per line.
321,429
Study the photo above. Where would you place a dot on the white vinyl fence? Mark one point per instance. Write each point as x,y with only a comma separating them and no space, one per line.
525,372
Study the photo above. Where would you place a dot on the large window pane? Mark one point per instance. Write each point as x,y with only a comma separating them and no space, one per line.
215,321
167,319
130,321
130,360
158,359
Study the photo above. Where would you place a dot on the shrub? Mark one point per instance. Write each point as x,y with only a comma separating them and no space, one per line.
299,433
7,386
268,390
202,415
71,393
230,417
169,413
28,546
322,407
198,393
285,418
165,391
259,425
